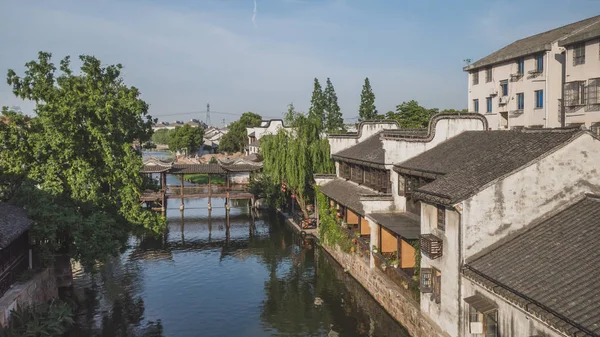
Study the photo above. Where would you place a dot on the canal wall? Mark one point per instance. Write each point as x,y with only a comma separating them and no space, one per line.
388,294
41,288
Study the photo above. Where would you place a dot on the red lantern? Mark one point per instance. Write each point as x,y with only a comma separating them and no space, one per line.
293,196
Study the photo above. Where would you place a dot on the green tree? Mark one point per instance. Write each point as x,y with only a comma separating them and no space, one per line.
161,136
187,138
367,110
317,105
236,138
411,115
454,111
294,156
334,121
73,164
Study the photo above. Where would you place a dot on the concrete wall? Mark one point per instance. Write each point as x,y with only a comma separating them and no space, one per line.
550,80
512,321
41,288
445,313
520,198
583,72
366,130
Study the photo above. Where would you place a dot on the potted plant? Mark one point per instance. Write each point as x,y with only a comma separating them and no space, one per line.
375,250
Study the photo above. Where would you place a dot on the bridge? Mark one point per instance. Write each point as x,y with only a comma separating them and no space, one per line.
237,175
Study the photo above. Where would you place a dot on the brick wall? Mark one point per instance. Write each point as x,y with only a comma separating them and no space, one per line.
388,294
41,288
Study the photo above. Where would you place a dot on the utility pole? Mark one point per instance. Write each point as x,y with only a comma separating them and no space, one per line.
208,114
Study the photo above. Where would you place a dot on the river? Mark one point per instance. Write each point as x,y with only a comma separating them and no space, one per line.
257,278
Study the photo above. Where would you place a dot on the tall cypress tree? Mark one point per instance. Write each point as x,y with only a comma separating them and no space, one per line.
317,105
334,122
367,110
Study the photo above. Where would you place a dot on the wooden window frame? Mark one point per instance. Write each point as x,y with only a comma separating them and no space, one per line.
579,54
436,284
475,75
441,218
426,280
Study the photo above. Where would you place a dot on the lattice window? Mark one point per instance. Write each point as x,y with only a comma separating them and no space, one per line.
476,77
426,280
436,285
357,174
593,95
344,170
441,218
574,93
488,75
431,246
595,128
579,54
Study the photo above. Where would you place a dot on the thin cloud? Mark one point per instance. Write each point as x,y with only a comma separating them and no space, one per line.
254,14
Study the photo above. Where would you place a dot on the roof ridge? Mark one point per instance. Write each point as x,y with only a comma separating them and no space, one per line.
597,17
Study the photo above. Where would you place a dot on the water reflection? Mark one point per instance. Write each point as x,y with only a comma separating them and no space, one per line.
219,274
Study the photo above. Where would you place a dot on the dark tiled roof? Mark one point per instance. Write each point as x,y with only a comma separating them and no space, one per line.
13,223
467,162
154,169
403,224
532,44
369,151
242,167
346,193
252,134
586,34
554,263
197,169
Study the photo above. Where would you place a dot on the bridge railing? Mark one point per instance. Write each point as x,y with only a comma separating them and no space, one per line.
217,189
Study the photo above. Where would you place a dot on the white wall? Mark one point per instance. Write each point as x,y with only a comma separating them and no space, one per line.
528,84
271,129
583,72
520,198
366,130
512,321
446,313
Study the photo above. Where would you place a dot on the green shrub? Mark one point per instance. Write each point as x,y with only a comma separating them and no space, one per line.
40,320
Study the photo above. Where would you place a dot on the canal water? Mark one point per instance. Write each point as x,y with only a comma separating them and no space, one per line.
203,277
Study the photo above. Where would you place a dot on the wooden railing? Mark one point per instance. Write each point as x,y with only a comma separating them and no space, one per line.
176,189
13,262
398,276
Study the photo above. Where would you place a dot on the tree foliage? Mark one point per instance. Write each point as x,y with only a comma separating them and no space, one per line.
236,138
162,136
317,106
367,110
187,138
74,162
333,115
411,115
294,156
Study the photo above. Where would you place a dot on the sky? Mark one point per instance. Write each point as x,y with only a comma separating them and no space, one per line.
261,55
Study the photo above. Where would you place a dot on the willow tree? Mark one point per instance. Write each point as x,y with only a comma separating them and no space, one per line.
294,156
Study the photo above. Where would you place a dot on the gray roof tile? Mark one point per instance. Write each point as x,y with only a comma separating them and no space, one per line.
554,263
591,32
404,224
346,193
532,44
13,223
464,164
369,150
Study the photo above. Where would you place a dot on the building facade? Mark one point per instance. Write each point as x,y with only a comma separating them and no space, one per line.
521,85
269,127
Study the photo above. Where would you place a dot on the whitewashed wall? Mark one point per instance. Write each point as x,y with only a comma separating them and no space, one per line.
366,130
520,198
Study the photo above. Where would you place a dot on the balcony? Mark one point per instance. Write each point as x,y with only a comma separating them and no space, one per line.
431,246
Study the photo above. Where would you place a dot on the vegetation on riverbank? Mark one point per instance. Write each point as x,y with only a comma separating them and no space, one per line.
330,232
38,320
73,166
203,179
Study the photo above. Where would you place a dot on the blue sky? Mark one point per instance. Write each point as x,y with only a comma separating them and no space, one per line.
182,54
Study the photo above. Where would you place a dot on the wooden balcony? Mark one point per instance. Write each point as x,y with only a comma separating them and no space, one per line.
431,246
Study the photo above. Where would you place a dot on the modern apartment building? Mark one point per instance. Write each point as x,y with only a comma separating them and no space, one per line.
521,85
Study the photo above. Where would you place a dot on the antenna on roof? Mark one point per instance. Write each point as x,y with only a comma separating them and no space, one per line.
467,62
207,113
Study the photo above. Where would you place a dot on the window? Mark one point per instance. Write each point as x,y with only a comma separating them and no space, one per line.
539,63
504,87
593,95
595,128
344,170
488,103
488,75
575,93
426,280
520,101
400,185
483,324
579,54
521,66
476,77
539,99
476,105
431,283
441,218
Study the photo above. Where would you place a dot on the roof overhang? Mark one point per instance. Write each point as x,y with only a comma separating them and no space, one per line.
481,304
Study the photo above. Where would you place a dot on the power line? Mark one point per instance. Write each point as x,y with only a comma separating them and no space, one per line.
199,112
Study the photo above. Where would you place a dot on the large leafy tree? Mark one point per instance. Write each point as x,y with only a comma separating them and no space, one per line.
367,110
73,164
412,115
317,105
162,136
186,138
294,156
334,121
236,138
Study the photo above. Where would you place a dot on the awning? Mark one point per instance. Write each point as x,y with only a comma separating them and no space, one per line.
346,193
481,304
403,224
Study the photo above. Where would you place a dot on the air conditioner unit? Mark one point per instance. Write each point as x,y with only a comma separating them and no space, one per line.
476,327
493,92
503,100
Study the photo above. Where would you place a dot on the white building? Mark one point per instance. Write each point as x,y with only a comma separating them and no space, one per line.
495,259
269,127
521,84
